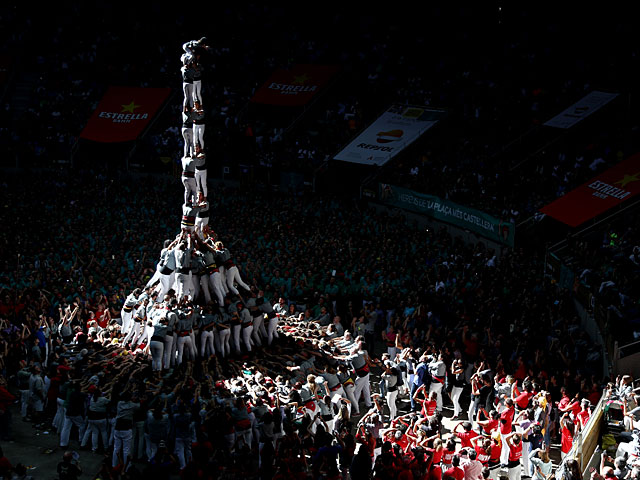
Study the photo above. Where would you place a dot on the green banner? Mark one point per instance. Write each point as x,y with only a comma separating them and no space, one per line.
446,211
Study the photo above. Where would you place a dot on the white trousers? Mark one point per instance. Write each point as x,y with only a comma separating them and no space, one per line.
187,102
166,282
215,280
58,420
146,332
363,388
168,348
234,275
526,448
25,397
246,337
349,391
223,276
204,286
187,134
195,285
197,91
515,473
121,440
185,285
69,422
198,135
437,388
391,403
272,329
134,332
207,344
157,355
96,429
190,189
185,343
201,222
222,342
126,320
235,337
257,330
455,398
201,181
155,277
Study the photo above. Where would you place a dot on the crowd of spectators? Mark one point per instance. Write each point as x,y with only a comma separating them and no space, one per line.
606,263
348,281
428,291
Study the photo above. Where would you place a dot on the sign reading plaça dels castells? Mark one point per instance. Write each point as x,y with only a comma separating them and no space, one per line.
443,210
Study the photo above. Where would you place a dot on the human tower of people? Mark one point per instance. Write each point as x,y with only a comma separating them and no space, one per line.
164,316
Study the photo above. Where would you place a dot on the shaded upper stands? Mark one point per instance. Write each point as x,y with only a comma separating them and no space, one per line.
505,74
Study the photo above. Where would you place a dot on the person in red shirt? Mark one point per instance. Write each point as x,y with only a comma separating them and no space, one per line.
466,436
521,399
567,431
491,423
429,406
435,454
447,454
514,444
494,459
506,417
584,414
482,446
569,405
395,436
506,425
455,471
594,396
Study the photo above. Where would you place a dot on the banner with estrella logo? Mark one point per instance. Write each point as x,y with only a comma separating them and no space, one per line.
467,218
612,187
123,113
389,134
296,86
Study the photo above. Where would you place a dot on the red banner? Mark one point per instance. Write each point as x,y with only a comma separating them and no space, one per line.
294,87
610,188
123,113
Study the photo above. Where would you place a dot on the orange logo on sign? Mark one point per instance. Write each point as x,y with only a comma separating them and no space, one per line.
390,136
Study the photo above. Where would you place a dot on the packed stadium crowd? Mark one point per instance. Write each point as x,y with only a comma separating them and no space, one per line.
406,296
298,336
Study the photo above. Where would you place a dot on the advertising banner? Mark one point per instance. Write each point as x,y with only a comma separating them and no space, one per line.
610,188
581,109
296,86
389,134
468,218
123,113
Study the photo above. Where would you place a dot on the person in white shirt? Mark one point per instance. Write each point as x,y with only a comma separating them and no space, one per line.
438,371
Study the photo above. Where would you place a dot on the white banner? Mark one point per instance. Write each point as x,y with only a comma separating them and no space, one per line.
582,109
389,134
